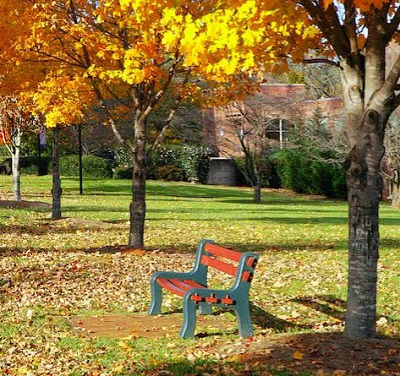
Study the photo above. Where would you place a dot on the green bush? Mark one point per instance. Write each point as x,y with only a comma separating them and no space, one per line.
267,169
170,172
123,172
92,166
29,165
191,163
306,171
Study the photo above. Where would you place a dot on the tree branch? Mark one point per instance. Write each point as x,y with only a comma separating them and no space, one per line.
321,61
171,115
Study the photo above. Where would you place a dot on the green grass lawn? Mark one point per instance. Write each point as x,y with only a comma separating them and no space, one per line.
52,270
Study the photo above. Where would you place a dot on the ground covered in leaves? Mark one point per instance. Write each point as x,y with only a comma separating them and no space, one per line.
54,322
73,301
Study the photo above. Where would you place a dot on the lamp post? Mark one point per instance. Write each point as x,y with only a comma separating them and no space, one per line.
80,159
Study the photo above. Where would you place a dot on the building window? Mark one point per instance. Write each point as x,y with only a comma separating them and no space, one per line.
234,117
278,130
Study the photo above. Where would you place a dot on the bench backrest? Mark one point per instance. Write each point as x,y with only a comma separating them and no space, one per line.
236,264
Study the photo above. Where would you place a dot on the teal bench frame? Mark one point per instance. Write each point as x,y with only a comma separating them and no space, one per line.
193,287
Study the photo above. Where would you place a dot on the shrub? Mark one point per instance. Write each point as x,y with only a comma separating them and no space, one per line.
29,165
192,161
267,169
92,166
123,172
309,172
170,172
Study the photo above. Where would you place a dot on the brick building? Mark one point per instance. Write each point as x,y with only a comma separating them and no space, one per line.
277,107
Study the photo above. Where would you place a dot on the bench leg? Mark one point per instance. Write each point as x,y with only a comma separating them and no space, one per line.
205,309
189,318
156,299
244,320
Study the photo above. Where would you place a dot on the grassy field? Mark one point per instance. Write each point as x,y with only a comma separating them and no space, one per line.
52,271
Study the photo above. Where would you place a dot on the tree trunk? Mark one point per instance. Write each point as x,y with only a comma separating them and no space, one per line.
364,191
138,204
56,191
257,191
16,173
396,188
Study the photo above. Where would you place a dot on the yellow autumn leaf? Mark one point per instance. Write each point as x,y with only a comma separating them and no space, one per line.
117,369
124,345
297,355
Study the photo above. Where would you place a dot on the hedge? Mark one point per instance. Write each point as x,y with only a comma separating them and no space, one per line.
310,173
92,166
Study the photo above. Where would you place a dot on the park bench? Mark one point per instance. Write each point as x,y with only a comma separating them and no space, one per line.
193,286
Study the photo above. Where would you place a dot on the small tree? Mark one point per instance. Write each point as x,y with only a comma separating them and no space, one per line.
392,151
14,121
248,124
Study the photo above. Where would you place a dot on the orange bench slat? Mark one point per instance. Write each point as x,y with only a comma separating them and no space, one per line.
178,286
186,284
167,284
223,252
219,265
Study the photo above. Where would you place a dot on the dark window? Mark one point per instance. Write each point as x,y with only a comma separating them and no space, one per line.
278,129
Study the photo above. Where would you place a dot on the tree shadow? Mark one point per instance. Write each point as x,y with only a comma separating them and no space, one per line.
264,320
260,319
327,304
301,354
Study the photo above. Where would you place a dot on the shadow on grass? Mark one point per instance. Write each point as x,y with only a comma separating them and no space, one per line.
49,227
264,320
327,304
259,317
298,354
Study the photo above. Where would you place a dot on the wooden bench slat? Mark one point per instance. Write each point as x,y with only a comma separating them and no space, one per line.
194,284
167,284
186,284
219,265
179,286
223,252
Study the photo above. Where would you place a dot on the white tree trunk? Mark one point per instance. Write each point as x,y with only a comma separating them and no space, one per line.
16,173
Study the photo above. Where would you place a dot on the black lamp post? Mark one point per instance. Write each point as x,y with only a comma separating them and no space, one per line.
80,159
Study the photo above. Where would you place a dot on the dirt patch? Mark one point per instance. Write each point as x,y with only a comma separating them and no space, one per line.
145,326
327,354
23,204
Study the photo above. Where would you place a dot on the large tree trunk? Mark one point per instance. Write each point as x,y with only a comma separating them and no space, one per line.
16,173
138,204
56,191
364,191
368,104
363,198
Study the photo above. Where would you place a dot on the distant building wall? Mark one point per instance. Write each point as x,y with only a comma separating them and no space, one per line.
223,171
279,101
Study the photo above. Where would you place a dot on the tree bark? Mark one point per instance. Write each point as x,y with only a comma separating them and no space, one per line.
138,204
364,192
56,191
16,173
396,189
257,191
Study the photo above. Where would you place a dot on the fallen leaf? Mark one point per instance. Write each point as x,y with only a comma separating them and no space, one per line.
297,355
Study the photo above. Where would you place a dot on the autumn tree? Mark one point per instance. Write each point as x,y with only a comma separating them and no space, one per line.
358,33
127,55
353,35
14,122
